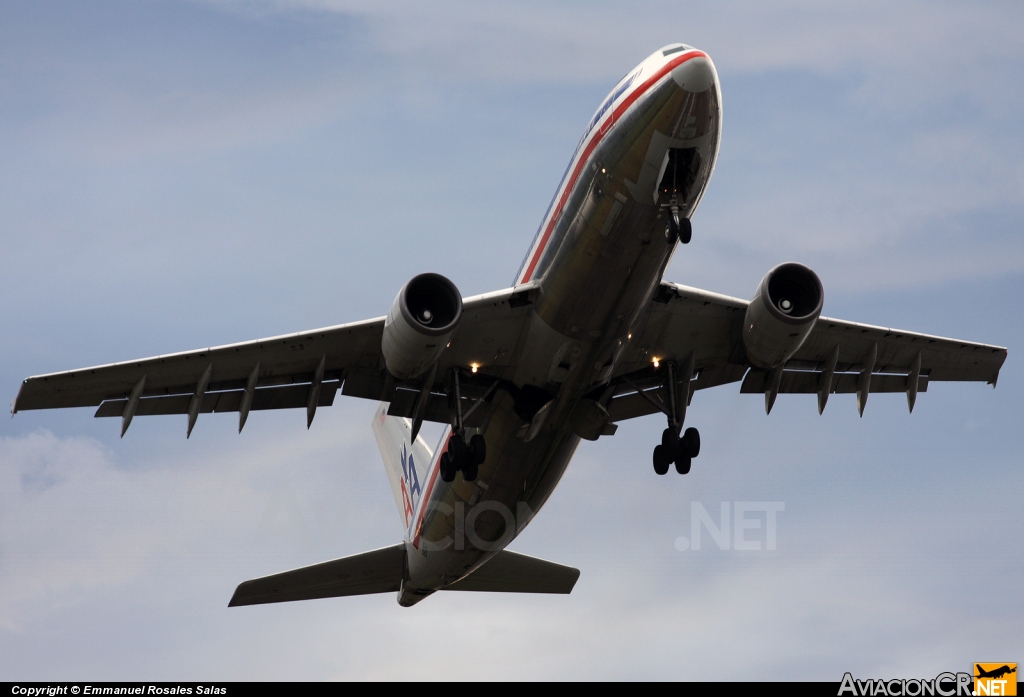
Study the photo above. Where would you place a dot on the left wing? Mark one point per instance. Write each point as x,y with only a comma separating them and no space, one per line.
681,322
305,369
292,370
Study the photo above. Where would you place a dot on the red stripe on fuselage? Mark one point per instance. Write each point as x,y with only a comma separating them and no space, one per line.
599,133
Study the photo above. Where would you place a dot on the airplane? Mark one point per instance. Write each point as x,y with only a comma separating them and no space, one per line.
995,673
588,335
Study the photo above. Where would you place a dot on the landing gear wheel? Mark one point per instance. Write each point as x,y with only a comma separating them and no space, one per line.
678,229
690,442
661,459
447,468
683,464
463,457
685,231
669,439
477,450
457,451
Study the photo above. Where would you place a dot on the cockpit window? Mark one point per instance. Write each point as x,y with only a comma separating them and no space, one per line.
675,49
622,87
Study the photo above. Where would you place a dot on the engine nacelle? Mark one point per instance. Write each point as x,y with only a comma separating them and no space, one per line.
782,314
420,324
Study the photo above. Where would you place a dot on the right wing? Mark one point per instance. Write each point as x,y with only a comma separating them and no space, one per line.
681,322
305,369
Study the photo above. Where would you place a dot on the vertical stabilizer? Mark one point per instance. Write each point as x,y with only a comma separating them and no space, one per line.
406,461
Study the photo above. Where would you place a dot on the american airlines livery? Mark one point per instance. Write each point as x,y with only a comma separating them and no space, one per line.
587,336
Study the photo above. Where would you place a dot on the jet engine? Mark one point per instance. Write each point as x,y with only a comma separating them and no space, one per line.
782,314
420,324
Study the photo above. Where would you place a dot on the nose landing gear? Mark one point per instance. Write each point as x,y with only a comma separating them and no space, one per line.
678,228
680,169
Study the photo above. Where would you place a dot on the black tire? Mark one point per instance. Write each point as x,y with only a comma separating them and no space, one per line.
469,472
670,439
691,442
478,449
447,470
457,452
685,231
683,464
661,459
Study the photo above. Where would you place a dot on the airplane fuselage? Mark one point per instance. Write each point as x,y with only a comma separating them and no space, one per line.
598,257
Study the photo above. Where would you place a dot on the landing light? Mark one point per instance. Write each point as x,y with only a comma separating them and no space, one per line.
474,366
656,362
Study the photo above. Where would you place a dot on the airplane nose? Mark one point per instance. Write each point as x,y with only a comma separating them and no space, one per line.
695,75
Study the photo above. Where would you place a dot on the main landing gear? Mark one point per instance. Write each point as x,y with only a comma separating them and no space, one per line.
461,456
675,448
678,449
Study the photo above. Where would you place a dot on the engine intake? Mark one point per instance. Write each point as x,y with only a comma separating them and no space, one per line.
419,325
782,314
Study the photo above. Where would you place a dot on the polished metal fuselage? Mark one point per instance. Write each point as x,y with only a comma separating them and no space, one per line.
595,263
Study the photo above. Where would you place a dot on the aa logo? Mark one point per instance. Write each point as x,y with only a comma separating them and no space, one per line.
995,678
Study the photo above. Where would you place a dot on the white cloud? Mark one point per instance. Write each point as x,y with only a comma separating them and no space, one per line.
870,575
76,518
918,131
567,41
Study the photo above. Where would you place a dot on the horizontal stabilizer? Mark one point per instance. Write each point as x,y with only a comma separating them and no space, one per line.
379,571
509,572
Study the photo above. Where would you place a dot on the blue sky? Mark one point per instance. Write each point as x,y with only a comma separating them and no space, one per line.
177,175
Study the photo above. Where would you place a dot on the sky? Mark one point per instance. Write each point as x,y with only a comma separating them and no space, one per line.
175,175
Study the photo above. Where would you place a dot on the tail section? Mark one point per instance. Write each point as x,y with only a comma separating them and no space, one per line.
406,461
382,571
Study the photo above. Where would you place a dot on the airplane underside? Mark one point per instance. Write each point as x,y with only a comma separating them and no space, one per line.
588,335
